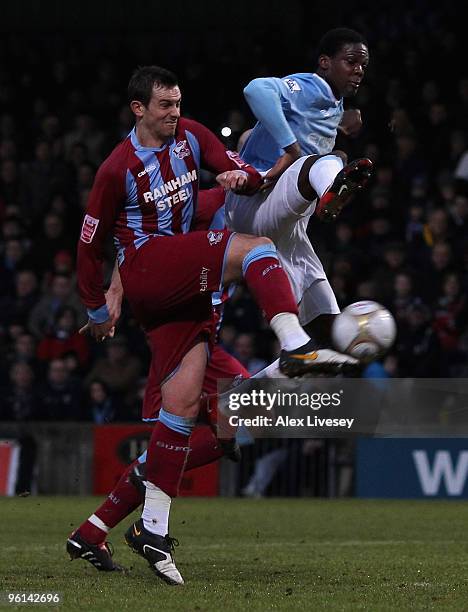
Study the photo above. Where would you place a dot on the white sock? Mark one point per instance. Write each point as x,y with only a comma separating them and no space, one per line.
288,330
156,510
322,173
271,371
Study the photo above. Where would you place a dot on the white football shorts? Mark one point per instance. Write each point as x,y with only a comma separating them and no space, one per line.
280,214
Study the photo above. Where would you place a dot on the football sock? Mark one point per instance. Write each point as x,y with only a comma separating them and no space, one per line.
122,501
165,463
322,173
288,330
125,497
268,282
155,513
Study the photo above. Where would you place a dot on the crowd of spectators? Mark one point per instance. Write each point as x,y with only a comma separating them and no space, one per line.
403,243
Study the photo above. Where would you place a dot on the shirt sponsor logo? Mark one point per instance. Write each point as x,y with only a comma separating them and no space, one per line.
214,237
181,149
166,188
204,279
146,170
88,229
293,85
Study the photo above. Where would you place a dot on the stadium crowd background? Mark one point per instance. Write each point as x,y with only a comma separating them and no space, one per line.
404,242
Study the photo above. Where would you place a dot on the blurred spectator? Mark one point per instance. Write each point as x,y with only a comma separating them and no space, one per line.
24,350
11,189
118,369
241,309
64,338
86,133
60,395
394,262
418,347
51,240
62,293
102,407
13,258
439,265
20,401
244,351
17,307
403,296
44,176
450,315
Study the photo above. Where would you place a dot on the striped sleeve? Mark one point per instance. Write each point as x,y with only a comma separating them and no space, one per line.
104,203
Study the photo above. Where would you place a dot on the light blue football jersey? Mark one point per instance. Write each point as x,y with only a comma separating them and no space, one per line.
298,107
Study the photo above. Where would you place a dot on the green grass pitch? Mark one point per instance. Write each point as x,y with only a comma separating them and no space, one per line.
236,554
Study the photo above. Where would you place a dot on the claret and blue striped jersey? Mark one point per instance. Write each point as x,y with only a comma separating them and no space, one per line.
300,107
144,192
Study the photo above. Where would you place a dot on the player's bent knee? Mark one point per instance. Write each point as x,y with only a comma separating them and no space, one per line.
249,242
240,247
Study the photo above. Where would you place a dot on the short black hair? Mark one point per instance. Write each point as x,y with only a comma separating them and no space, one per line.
334,40
144,78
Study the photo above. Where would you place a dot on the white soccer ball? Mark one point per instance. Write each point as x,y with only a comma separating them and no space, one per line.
365,330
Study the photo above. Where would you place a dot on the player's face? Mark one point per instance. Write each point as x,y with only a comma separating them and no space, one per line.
161,115
345,70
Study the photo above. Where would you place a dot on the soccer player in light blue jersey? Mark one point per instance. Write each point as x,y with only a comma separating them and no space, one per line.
292,145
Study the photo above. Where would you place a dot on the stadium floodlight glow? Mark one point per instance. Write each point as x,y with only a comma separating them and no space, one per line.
226,131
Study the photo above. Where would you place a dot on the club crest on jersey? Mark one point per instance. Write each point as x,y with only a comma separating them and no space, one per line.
292,84
214,237
88,229
181,149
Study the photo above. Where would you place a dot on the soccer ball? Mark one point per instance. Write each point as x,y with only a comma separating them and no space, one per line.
365,330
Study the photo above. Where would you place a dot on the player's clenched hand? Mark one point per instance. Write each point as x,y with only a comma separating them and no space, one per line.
351,123
99,331
232,179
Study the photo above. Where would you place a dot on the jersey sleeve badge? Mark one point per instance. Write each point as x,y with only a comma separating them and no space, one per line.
88,229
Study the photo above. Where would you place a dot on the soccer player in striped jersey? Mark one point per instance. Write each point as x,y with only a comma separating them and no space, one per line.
145,193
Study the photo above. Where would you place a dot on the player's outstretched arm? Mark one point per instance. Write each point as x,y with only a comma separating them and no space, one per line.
266,98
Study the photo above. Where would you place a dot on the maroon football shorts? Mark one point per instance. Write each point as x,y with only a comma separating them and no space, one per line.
221,366
168,282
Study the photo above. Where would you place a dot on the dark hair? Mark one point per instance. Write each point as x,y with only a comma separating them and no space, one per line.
334,40
142,81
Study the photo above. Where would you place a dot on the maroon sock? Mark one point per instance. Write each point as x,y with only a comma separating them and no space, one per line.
121,501
270,287
167,455
204,448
